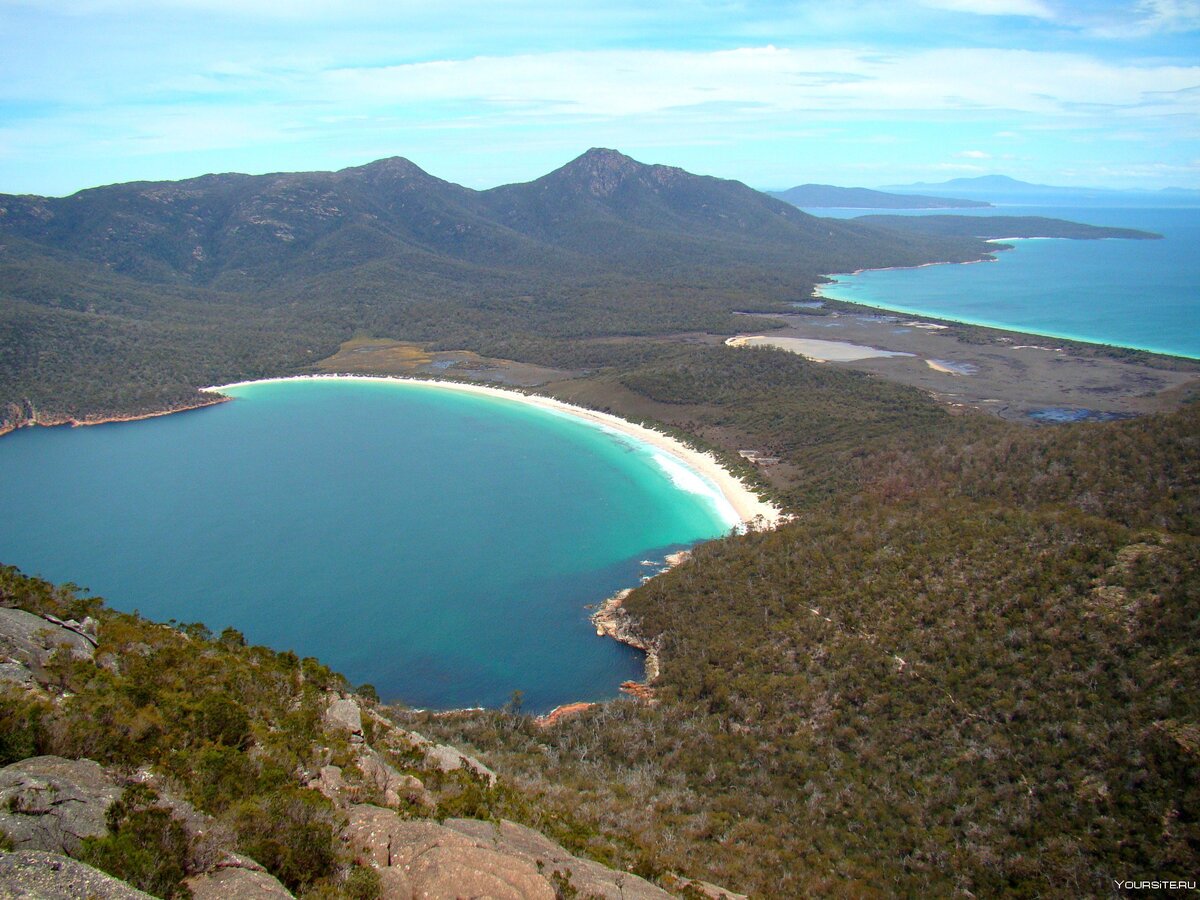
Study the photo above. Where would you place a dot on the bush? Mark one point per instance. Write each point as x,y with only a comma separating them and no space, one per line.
146,846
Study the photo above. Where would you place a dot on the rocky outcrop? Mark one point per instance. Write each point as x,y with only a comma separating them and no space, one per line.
473,858
36,875
587,877
438,756
612,620
237,877
430,860
343,714
28,643
372,778
50,803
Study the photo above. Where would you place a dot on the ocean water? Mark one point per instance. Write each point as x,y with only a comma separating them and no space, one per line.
439,545
1140,294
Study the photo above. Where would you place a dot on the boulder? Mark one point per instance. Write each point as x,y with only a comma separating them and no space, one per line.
344,714
36,875
439,862
16,673
236,883
396,789
329,781
441,756
587,877
712,891
50,803
31,641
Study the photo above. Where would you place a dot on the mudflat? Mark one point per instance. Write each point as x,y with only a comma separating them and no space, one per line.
1006,373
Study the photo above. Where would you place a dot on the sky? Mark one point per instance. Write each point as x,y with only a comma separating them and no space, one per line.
484,92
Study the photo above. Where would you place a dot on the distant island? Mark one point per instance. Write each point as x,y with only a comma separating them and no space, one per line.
994,227
828,196
1003,189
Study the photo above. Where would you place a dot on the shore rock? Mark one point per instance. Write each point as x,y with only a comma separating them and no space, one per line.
50,803
36,875
612,620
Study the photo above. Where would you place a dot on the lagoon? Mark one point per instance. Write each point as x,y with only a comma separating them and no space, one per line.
442,546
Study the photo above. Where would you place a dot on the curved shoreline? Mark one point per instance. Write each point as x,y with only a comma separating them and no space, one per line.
1002,245
751,510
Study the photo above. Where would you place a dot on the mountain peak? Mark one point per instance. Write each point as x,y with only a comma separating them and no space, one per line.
393,167
600,171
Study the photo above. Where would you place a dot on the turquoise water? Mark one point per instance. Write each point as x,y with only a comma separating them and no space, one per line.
1141,294
439,545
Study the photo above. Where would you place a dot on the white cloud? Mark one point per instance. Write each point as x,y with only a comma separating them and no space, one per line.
1169,15
1030,8
973,154
762,81
1151,17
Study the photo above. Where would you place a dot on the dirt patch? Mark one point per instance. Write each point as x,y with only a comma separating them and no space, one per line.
379,356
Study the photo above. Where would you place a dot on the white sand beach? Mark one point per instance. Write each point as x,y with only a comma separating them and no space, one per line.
749,508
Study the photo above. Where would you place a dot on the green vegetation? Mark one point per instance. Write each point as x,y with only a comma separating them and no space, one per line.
146,846
973,673
233,729
967,665
991,227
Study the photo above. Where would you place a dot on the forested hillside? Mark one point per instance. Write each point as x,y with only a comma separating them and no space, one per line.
971,673
161,288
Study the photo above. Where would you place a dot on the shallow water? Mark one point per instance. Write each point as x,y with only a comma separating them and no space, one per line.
439,545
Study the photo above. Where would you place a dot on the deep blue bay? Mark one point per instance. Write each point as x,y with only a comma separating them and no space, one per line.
442,546
1127,293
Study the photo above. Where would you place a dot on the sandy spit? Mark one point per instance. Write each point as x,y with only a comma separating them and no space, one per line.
750,509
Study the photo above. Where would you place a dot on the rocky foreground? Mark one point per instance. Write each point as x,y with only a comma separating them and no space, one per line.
395,839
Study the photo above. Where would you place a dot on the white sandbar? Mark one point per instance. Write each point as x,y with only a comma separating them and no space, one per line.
740,505
816,350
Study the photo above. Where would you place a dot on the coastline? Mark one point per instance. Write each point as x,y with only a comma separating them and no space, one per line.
54,422
610,619
750,510
972,322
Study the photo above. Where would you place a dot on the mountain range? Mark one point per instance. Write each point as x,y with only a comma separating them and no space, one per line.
235,232
167,286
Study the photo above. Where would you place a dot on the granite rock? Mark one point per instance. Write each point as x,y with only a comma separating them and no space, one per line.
50,803
37,875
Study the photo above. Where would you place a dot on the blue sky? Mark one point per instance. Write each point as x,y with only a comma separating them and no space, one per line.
480,92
